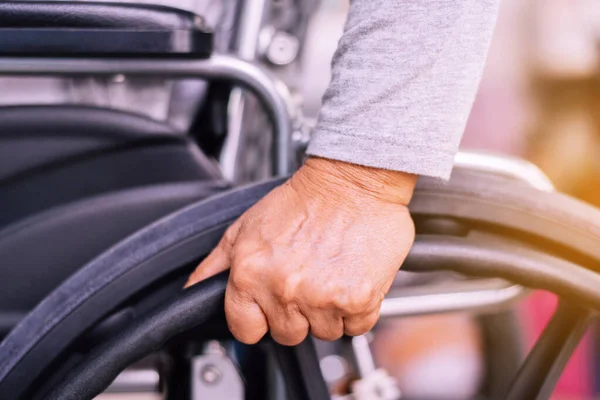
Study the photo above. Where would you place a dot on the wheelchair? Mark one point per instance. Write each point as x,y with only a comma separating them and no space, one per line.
105,213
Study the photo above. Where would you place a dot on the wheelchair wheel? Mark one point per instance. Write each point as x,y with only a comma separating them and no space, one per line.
540,240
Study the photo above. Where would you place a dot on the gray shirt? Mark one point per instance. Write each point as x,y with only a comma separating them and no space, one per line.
404,78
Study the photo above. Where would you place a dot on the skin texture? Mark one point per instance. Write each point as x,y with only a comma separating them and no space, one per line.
317,254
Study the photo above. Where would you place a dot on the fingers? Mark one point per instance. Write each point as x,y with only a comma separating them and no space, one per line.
248,321
245,318
326,325
290,328
360,324
287,327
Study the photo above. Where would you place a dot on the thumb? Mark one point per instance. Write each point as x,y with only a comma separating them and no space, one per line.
217,261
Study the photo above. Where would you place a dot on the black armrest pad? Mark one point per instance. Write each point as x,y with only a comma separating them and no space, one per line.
73,28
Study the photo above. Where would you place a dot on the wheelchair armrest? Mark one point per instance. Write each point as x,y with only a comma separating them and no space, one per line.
82,29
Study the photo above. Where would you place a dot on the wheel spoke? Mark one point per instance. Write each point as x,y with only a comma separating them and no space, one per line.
545,363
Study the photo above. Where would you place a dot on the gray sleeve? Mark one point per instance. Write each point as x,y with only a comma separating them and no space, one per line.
404,78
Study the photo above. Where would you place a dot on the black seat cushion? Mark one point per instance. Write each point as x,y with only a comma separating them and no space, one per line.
71,28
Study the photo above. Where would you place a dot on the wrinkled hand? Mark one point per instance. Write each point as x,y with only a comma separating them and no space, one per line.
317,254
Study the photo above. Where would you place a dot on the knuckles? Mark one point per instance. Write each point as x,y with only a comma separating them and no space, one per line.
247,267
242,281
289,339
357,299
246,337
287,288
230,236
254,268
346,299
362,326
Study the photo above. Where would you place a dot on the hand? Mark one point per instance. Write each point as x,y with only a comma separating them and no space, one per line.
317,254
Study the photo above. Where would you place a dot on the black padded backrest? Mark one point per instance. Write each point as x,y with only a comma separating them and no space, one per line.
70,28
36,136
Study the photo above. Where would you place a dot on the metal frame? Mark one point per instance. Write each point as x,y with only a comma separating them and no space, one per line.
136,381
476,296
252,16
274,95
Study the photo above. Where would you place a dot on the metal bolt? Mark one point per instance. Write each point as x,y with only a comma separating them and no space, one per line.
283,48
210,374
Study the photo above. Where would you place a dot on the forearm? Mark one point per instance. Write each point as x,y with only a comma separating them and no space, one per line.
403,82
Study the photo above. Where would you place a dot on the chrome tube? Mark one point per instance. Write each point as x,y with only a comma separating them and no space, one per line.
230,154
365,363
472,300
251,19
274,95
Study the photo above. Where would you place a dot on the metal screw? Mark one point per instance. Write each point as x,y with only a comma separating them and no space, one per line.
210,374
283,48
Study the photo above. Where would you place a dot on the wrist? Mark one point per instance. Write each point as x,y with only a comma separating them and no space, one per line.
338,177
